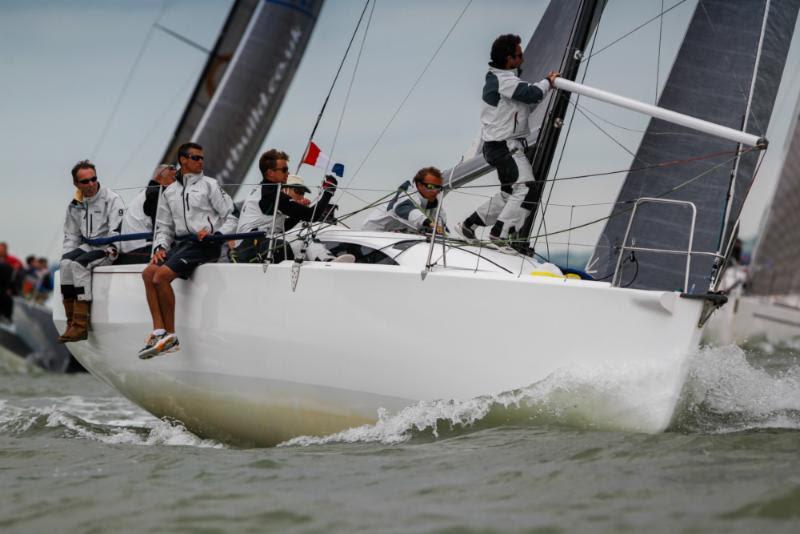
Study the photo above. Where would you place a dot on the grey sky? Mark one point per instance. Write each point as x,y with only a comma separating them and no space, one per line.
65,64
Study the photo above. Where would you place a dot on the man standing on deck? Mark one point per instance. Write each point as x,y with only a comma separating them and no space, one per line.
507,105
140,217
192,208
94,213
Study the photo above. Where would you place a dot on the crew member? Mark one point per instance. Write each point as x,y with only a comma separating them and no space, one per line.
413,209
507,104
95,212
140,216
258,210
192,208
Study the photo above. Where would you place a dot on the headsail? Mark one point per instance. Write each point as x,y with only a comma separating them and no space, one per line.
726,44
775,269
550,48
243,84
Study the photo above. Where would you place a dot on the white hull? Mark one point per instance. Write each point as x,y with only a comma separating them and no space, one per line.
261,364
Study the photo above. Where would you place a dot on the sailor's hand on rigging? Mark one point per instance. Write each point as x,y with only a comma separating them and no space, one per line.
551,77
202,234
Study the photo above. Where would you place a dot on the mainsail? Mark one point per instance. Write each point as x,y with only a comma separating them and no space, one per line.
243,84
775,269
727,71
562,30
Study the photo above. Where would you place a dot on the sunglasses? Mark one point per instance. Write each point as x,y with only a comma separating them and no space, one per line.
431,187
281,169
193,157
88,181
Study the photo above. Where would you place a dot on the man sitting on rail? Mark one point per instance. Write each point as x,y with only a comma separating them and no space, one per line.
140,216
259,210
95,212
193,208
411,210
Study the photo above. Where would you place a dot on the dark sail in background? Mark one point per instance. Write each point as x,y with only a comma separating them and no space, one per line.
711,79
775,269
547,50
243,84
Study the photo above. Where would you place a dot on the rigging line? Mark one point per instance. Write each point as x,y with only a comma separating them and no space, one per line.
563,145
352,81
658,60
136,151
182,38
333,84
128,79
660,165
347,99
665,193
637,28
618,143
410,91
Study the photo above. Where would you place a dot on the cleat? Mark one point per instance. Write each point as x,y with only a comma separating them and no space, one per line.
467,232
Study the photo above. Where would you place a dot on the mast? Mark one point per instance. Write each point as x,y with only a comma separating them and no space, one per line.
545,148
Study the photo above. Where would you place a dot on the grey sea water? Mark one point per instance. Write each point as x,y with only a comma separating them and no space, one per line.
76,457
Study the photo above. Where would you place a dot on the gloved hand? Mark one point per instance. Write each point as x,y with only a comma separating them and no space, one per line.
111,252
329,184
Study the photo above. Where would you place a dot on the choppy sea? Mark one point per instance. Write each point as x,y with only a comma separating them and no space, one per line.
77,457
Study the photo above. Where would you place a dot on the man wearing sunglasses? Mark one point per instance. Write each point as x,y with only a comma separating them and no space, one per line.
191,209
507,104
259,210
95,212
412,208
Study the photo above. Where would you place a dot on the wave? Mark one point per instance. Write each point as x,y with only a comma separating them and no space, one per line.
109,420
724,392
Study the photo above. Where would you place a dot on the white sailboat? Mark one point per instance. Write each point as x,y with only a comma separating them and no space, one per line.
267,356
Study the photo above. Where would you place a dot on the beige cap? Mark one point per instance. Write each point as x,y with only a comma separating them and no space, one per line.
295,181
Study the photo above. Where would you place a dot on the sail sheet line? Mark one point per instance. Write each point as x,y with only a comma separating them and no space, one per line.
182,38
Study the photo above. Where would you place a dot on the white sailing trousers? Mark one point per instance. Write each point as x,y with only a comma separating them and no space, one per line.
76,272
513,169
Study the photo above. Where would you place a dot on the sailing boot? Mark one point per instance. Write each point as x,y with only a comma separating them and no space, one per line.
69,309
80,322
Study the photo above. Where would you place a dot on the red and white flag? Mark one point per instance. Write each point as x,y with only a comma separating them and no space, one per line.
316,158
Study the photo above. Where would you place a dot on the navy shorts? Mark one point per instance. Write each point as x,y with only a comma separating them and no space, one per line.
189,255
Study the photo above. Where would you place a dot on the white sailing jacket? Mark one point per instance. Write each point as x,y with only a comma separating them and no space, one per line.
408,210
192,203
136,221
94,217
508,103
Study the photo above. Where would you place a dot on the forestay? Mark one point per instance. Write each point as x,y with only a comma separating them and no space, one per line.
243,84
712,79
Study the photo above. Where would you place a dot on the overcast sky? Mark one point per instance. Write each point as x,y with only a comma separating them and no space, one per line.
65,67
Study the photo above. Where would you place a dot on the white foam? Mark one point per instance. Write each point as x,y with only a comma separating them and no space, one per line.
723,382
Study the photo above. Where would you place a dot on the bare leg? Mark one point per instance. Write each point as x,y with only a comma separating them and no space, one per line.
152,296
162,281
